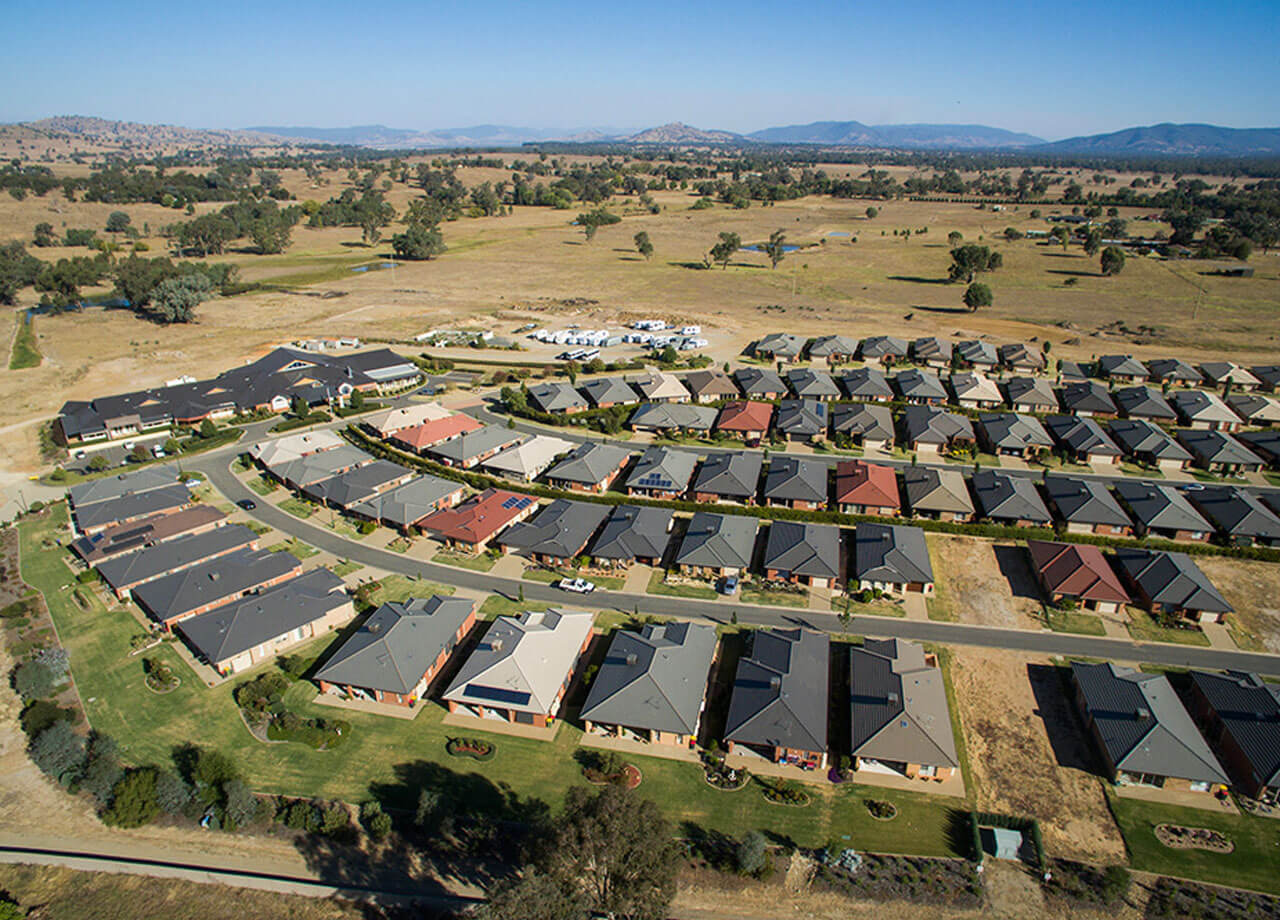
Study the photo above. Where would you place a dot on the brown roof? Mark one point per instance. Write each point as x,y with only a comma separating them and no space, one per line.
860,483
479,517
428,434
137,534
1076,570
745,416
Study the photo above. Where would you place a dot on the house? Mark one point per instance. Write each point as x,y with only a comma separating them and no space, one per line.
1030,394
557,534
1170,583
1087,398
1149,444
1085,506
1238,514
1162,511
590,468
759,383
1143,402
866,384
795,483
1254,409
931,431
405,506
891,558
556,398
803,553
748,420
385,424
1219,452
122,539
728,477
717,545
398,650
900,721
778,706
252,629
975,391
866,425
1144,733
472,448
808,383
1077,572
1204,411
973,353
1239,714
779,346
651,686
937,494
833,349
522,667
200,588
470,526
673,418
1082,439
931,351
1268,376
310,468
1266,444
147,479
1227,374
1010,500
607,392
919,388
128,571
710,386
1010,434
1071,371
802,420
1021,359
268,454
886,349
662,473
867,488
358,485
1173,371
132,507
1121,369
526,462
659,386
633,533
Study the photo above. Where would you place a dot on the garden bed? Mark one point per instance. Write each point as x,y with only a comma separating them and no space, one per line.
720,776
786,793
1177,837
606,768
1173,898
475,748
159,676
880,810
937,882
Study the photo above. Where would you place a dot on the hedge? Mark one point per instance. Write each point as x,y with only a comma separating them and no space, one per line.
481,481
1029,826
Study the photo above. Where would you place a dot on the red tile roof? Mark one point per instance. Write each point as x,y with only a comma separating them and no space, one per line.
745,416
1076,570
428,434
859,483
479,517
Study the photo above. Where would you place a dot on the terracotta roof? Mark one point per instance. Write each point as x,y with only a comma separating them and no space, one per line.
1076,570
859,483
745,416
433,432
479,517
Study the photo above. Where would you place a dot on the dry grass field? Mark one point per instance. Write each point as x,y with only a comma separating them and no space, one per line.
988,584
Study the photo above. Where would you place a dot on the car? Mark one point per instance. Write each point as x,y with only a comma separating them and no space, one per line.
729,585
576,585
248,504
157,451
129,445
81,454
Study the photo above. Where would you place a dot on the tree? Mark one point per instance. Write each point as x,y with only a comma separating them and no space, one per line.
723,251
954,238
977,295
533,897
103,769
271,233
175,299
208,429
591,221
172,793
1012,233
753,853
1092,242
1116,229
1112,260
99,463
134,800
643,246
299,407
59,752
419,242
775,249
970,259
376,821
43,235
241,805
32,680
117,222
872,213
1062,235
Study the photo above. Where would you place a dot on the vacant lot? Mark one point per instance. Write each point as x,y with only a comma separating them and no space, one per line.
984,582
1253,588
1027,755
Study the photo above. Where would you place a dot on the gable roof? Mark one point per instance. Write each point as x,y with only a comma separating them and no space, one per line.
793,479
1171,580
634,531
1143,402
1175,370
1254,408
663,469
555,396
931,425
914,383
472,444
974,385
653,679
1142,724
359,484
522,661
530,459
862,483
935,490
292,446
1076,570
1011,497
711,382
1227,371
866,383
780,691
174,555
931,346
1121,366
867,420
131,505
109,487
780,343
603,391
803,548
735,475
674,415
234,573
1030,391
1159,506
891,553
1086,396
805,417
408,504
1139,436
807,381
128,538
590,463
1081,435
825,346
1200,406
303,471
972,351
1237,513
1266,444
560,529
393,420
1249,709
398,644
759,381
898,705
1071,370
883,346
1010,431
718,541
1084,501
745,416
1216,447
479,517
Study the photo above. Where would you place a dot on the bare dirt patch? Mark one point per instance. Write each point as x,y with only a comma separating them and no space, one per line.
1253,588
1027,754
989,584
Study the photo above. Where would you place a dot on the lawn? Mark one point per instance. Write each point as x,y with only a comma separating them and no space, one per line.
1074,621
1251,865
879,608
294,546
394,758
26,352
775,597
550,576
479,562
697,592
297,507
262,485
345,527
345,568
495,605
401,587
1244,638
1143,627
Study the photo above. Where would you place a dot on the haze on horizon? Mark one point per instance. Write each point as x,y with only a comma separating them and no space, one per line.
1051,71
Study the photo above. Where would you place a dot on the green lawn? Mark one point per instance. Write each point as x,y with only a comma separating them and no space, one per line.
345,568
401,587
262,485
1251,865
495,605
296,547
345,527
297,507
658,586
1145,472
394,758
775,597
26,352
480,562
550,576
880,608
241,465
1143,627
1074,621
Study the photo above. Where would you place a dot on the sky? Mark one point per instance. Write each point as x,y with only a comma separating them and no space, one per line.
1054,70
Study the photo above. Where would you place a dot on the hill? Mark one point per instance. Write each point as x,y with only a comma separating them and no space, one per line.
914,136
677,132
105,132
1175,140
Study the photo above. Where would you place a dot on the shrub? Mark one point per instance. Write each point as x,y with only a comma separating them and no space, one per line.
172,794
241,805
33,679
376,821
134,800
752,854
368,527
59,752
40,714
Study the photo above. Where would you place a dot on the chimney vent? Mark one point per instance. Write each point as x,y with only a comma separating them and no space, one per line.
1142,713
775,682
631,659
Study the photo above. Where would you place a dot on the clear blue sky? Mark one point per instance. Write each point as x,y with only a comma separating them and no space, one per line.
1052,69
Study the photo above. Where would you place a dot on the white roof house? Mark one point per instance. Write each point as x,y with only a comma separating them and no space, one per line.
528,461
293,447
393,420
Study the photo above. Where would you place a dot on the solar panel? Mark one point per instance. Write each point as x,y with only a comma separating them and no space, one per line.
516,501
497,694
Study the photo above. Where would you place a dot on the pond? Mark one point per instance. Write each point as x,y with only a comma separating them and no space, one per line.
374,268
838,233
759,247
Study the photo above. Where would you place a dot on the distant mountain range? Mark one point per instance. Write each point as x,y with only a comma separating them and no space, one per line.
1155,140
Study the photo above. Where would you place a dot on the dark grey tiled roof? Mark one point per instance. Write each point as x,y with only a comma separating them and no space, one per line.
898,706
718,541
734,475
674,415
780,343
759,381
1250,712
561,529
663,469
1217,447
793,479
1084,501
1143,402
1160,507
930,346
973,351
1121,366
802,417
780,691
1012,498
802,548
407,504
931,425
1009,431
1171,580
1030,391
589,463
634,531
865,419
1086,396
807,381
190,589
607,390
914,383
354,486
109,487
556,397
891,553
866,383
472,444
1081,435
1140,437
826,345
1237,512
131,505
883,346
1174,370
174,555
934,490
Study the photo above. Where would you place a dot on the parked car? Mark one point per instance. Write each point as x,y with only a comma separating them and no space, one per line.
81,454
248,504
729,585
576,585
157,451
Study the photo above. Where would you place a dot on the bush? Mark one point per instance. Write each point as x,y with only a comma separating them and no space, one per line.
33,679
376,821
752,855
294,665
40,714
241,806
172,793
134,800
59,752
367,527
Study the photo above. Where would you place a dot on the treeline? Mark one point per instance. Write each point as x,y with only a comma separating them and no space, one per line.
262,221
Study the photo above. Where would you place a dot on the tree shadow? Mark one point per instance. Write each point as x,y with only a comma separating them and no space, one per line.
1012,561
692,266
1063,255
352,244
959,833
720,688
628,258
1074,274
916,279
716,848
1068,739
573,242
943,309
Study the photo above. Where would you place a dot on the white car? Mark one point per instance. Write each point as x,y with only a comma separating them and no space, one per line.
576,585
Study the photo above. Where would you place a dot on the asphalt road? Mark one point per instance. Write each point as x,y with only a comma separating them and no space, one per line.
216,467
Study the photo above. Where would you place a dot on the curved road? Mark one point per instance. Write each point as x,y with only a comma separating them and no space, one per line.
216,467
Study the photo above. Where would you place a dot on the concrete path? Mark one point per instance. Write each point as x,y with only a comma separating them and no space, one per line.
630,748
1217,635
508,566
637,579
514,729
916,606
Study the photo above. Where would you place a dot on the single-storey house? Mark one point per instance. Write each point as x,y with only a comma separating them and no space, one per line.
212,583
1205,411
660,386
125,572
717,545
938,494
1078,572
1239,714
974,390
1010,500
299,472
662,473
1254,409
1087,398
1173,371
526,462
919,387
107,488
892,558
470,525
931,431
385,424
1144,402
760,383
606,392
803,553
748,420
557,534
1030,394
633,533
665,418
1012,434
779,346
886,349
802,420
833,348
122,539
405,506
422,437
867,488
1228,373
1122,369
1082,439
778,706
1085,506
1148,443
867,384
1170,583
931,351
795,483
809,383
361,484
728,477
1022,359
1238,514
132,507
710,385
1219,452
590,468
1162,511
974,353
475,447
556,397
867,425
